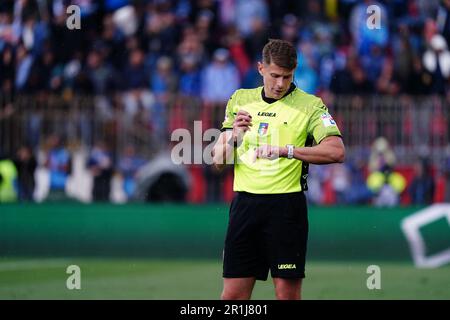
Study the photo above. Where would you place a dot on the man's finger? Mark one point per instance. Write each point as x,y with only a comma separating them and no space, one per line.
244,128
255,155
243,124
244,119
243,113
264,151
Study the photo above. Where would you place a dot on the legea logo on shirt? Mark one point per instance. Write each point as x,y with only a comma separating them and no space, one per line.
262,130
267,114
327,120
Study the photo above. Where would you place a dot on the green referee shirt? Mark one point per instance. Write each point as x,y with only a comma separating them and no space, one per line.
298,118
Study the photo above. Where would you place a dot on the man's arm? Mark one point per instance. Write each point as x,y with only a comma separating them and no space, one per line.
330,150
223,150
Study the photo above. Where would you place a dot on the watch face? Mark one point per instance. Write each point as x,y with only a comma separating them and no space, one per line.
290,151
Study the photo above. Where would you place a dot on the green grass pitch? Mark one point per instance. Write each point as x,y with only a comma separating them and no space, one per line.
45,278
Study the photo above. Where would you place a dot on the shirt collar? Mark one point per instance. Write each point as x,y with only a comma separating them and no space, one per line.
272,100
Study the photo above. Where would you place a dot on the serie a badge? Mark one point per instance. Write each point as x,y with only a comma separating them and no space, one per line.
262,130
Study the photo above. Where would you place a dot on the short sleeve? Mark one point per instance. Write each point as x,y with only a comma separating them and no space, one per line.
321,123
230,113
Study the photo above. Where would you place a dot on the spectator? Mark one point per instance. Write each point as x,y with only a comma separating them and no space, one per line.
247,11
386,185
100,74
41,72
100,164
58,162
255,41
8,175
10,28
252,78
163,81
422,186
350,79
373,62
340,182
381,155
161,34
137,96
443,19
220,78
234,42
359,192
190,45
407,62
190,78
34,33
203,28
7,72
26,165
24,62
125,19
305,76
129,164
387,82
436,61
363,37
290,28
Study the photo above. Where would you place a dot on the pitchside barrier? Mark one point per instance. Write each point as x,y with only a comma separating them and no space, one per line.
197,231
412,124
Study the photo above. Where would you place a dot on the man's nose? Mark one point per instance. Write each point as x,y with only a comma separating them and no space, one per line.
280,82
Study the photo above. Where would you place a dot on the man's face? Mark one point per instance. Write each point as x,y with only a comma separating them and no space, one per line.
277,80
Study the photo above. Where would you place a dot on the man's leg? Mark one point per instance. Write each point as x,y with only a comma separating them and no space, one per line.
287,289
237,288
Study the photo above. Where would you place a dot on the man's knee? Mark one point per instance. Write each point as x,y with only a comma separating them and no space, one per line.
287,289
288,295
235,295
237,288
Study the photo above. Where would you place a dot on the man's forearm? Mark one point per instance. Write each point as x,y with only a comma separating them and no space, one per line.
223,151
324,153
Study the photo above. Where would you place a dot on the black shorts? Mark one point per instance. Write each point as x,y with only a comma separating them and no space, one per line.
266,231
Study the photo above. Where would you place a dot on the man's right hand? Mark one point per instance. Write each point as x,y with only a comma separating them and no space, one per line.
241,124
223,149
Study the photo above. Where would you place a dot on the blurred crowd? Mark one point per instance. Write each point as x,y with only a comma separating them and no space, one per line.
379,179
142,56
380,182
147,49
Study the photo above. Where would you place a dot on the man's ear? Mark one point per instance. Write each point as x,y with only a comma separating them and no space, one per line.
260,68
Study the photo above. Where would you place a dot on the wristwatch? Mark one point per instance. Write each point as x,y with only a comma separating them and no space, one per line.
290,151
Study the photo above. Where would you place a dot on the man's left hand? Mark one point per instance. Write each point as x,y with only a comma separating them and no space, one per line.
268,152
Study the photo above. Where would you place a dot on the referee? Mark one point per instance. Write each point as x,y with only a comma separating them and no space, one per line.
268,135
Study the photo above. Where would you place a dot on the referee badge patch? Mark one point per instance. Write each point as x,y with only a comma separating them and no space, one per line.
262,130
327,120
